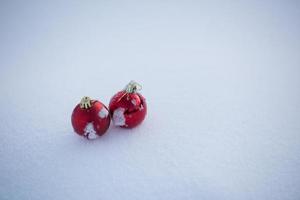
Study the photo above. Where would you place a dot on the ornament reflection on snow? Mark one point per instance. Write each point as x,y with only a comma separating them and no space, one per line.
128,108
90,118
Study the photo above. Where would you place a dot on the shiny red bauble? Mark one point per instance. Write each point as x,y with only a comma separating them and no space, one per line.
128,108
90,118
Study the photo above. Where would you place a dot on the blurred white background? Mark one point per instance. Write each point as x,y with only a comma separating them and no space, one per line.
221,79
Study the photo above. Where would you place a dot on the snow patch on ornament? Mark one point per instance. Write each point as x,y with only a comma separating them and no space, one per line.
118,117
90,132
133,101
141,107
103,113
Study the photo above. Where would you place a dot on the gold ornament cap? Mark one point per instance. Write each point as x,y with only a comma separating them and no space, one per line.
133,87
86,102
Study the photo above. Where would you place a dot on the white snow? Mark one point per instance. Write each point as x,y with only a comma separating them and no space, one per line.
118,117
133,101
221,79
90,132
141,107
103,113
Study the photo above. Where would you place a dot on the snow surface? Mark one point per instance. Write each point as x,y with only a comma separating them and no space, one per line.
221,80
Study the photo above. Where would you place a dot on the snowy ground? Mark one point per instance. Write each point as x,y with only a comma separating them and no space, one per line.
222,83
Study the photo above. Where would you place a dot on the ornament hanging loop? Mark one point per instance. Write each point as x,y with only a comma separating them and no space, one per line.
133,87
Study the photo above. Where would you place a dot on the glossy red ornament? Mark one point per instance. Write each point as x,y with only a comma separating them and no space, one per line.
128,108
90,118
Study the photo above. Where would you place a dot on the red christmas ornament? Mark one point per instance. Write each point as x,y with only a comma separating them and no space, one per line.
90,118
128,108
